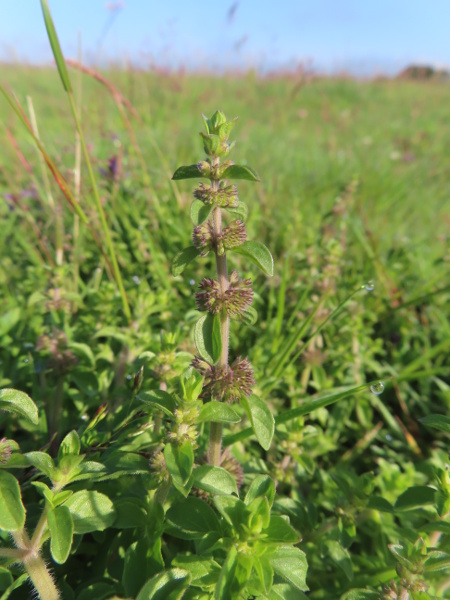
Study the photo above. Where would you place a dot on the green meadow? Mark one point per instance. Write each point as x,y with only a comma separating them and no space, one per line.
353,204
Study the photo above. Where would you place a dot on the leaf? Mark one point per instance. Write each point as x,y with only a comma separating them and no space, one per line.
440,422
203,570
191,519
341,557
70,445
285,591
135,573
240,172
233,576
159,400
8,320
183,258
56,48
60,525
187,172
218,412
415,497
261,419
12,511
207,337
129,513
248,317
215,480
91,511
279,532
83,350
20,403
290,563
42,462
200,212
179,461
262,485
436,560
239,210
168,585
361,594
379,503
258,254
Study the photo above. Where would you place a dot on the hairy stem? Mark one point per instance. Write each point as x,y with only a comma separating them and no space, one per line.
35,567
215,432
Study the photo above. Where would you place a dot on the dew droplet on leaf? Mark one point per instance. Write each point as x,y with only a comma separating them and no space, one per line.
377,388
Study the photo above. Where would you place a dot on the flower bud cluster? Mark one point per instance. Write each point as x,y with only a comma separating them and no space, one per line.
226,384
224,196
232,236
234,301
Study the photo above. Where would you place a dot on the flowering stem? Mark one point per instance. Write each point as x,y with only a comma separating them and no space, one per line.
215,432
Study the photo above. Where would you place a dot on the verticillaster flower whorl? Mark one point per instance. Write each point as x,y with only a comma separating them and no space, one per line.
235,300
226,384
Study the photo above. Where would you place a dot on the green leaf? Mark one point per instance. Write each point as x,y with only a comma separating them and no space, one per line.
41,461
129,513
60,525
279,532
232,509
240,172
5,579
290,563
134,573
70,445
248,317
20,403
440,422
361,594
91,511
285,591
159,400
83,350
168,585
341,557
436,560
204,570
8,320
258,254
261,419
200,212
207,337
233,576
187,172
415,497
262,485
12,511
215,480
379,503
239,210
191,519
182,259
179,461
56,48
219,412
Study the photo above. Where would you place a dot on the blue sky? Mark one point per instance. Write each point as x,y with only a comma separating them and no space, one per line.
364,36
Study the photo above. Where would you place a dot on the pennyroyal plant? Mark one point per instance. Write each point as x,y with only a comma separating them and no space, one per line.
228,297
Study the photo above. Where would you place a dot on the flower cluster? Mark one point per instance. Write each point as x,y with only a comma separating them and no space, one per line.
226,384
234,301
224,196
205,239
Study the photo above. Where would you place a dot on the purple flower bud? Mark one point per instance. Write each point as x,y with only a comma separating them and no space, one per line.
224,196
226,384
234,234
203,238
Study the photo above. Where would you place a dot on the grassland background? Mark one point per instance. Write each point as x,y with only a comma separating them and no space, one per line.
381,146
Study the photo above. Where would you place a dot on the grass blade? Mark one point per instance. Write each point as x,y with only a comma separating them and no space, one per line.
56,48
